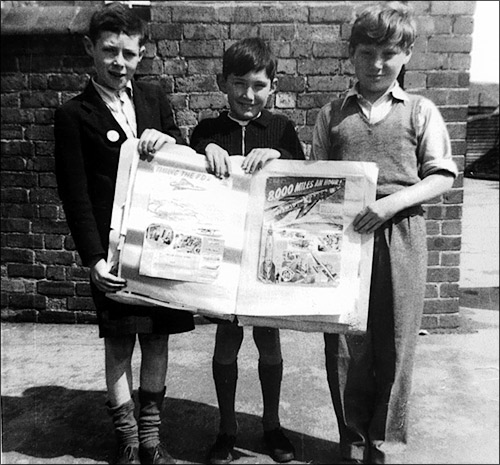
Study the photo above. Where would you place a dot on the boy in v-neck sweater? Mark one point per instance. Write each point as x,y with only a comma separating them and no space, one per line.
370,374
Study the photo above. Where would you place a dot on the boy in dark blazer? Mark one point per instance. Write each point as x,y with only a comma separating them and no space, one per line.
89,131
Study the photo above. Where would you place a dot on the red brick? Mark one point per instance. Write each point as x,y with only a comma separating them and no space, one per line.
451,320
328,83
20,315
28,301
86,317
54,288
16,225
208,100
57,316
331,14
80,303
11,82
277,31
431,291
206,31
449,7
444,243
329,66
429,322
242,31
451,275
188,14
161,31
450,258
28,241
458,44
54,257
12,164
449,290
439,306
194,83
201,48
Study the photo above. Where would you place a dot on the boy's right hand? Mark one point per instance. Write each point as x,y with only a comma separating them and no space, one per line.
218,160
104,280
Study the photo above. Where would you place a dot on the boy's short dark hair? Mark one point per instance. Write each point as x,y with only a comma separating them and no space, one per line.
388,23
247,55
116,17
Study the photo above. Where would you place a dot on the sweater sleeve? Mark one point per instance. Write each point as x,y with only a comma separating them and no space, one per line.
290,146
202,136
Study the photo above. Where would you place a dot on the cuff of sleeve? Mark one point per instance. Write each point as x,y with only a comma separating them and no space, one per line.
444,165
93,260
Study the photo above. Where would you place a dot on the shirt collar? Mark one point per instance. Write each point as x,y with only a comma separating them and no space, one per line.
395,91
262,119
112,94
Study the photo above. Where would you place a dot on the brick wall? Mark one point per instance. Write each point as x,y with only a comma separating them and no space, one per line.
43,64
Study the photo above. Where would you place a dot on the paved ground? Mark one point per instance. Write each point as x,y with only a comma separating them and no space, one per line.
53,389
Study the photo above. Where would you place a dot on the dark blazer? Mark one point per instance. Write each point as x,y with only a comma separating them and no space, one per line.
87,159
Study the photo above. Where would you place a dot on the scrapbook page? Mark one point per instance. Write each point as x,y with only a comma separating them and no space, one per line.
275,248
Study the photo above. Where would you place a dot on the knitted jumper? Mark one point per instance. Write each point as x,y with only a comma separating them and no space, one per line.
391,142
267,131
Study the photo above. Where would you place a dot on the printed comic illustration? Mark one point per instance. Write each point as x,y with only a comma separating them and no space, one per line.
184,240
302,231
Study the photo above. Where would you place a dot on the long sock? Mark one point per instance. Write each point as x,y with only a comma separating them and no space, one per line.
270,381
124,422
149,417
225,378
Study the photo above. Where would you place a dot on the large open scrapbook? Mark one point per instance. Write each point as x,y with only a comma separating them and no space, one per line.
276,248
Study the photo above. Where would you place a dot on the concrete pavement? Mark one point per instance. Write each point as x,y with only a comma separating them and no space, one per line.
53,390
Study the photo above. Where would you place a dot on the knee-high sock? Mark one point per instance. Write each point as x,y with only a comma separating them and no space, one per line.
149,417
124,422
225,378
270,381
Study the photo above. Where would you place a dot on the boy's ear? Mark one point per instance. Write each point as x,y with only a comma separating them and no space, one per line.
274,85
408,52
89,46
221,82
142,50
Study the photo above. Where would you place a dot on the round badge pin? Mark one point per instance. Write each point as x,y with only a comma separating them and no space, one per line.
113,135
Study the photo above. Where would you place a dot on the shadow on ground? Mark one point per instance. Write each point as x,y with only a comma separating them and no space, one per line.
52,421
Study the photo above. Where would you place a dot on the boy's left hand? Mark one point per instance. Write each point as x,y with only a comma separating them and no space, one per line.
152,140
374,216
257,158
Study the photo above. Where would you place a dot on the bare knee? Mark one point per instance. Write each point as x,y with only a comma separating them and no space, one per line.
119,349
154,344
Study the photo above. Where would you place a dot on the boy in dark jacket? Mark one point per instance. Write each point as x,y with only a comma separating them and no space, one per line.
89,131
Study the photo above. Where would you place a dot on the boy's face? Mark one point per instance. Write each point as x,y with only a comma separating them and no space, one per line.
377,67
116,57
247,95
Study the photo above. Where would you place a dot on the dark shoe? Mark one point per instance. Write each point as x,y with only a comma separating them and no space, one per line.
280,448
127,454
221,451
156,455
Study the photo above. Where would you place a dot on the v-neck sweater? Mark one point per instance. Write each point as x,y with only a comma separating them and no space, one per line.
391,143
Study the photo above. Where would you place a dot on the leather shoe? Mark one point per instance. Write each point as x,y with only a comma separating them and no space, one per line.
127,454
155,455
280,448
221,452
